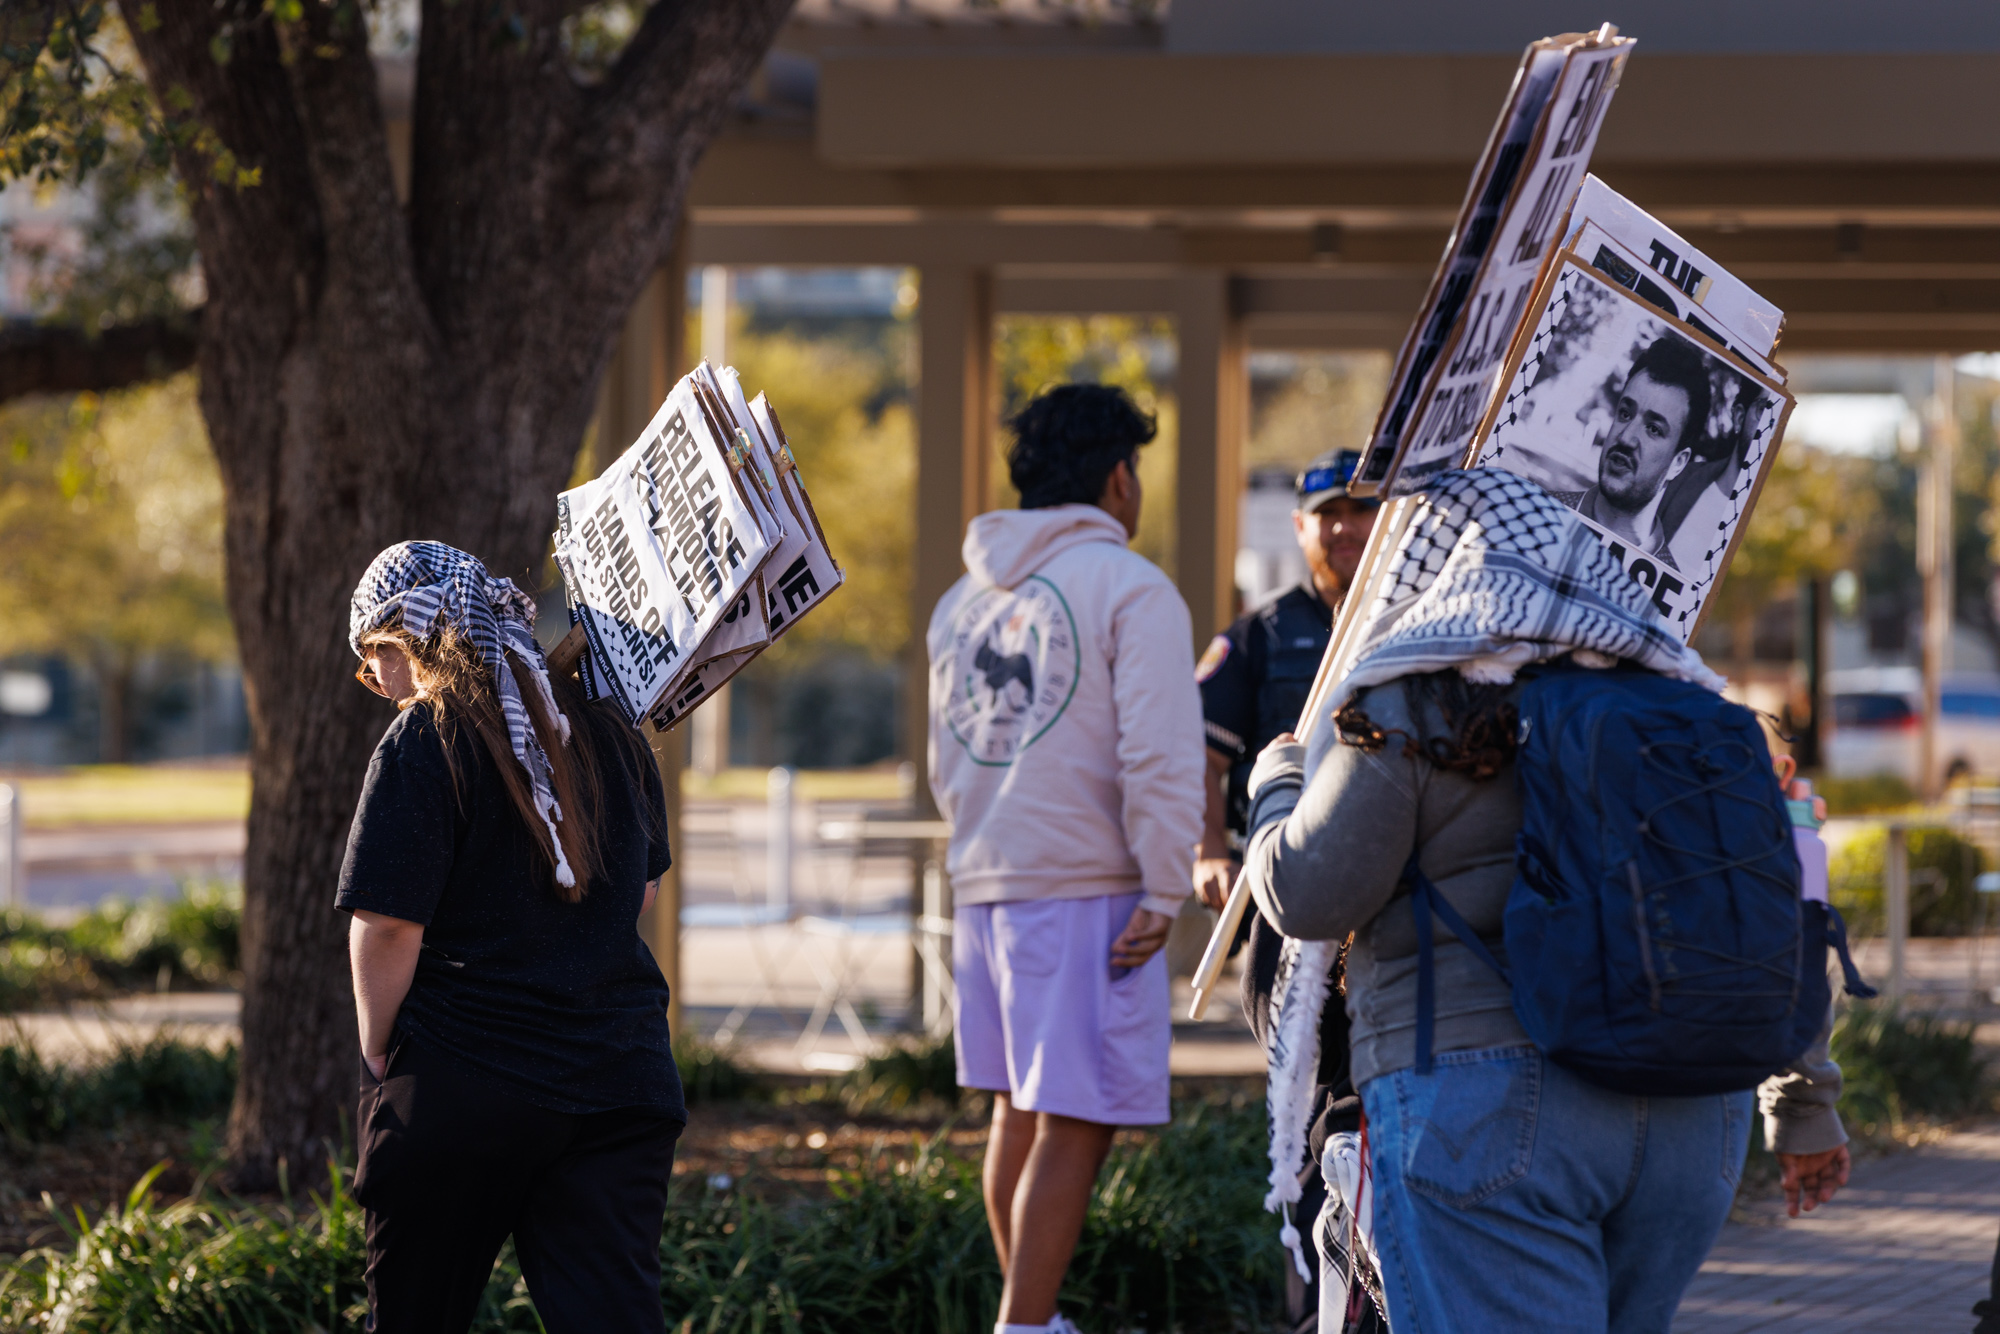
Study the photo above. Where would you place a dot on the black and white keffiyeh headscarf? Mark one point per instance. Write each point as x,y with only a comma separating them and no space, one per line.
425,586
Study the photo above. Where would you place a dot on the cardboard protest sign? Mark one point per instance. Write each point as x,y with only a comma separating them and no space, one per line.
655,552
1726,303
1594,246
801,571
1486,198
1446,413
1651,431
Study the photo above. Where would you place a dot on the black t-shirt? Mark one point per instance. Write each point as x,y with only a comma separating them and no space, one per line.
561,1002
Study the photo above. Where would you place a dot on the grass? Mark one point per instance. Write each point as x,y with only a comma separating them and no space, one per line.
1175,1239
908,1075
95,794
153,945
134,794
709,1075
878,783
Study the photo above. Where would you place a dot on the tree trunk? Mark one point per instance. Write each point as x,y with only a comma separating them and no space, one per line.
371,374
114,707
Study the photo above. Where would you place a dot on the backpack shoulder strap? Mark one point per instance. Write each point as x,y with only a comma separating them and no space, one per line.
1836,935
1425,900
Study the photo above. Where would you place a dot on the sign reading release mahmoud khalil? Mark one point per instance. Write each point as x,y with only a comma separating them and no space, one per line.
655,552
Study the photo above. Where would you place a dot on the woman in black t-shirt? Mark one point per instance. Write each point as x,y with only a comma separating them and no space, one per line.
518,1074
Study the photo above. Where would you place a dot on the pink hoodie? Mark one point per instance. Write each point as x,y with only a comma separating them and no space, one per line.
1065,725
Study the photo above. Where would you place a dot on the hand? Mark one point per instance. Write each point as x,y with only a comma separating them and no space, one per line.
1141,939
1284,739
1810,1179
378,1066
1214,876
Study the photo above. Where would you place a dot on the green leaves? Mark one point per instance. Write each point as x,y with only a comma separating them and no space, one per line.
71,96
1176,1239
65,90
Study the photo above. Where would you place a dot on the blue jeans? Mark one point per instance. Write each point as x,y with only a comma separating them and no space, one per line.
1512,1195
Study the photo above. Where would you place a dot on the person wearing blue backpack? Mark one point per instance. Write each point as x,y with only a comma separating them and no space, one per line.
1578,938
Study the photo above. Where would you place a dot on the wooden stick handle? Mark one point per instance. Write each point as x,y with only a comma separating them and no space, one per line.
1217,953
565,655
1383,541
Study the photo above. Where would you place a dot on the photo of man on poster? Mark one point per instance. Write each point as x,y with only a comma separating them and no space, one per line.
1659,415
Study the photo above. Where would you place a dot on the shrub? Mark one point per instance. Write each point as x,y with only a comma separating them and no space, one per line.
192,941
1176,1238
907,1074
163,1078
1868,795
1942,869
708,1074
32,1105
1896,1065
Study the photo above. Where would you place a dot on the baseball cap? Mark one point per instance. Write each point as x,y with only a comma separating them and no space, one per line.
1326,478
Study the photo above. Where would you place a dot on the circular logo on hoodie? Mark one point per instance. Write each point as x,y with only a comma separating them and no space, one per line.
1014,660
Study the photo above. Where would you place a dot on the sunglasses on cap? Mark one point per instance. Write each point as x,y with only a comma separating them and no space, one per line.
1326,479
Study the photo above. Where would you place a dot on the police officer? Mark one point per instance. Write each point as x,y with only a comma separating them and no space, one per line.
1255,676
1254,680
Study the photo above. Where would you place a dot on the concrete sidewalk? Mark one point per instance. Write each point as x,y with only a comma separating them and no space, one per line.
1907,1247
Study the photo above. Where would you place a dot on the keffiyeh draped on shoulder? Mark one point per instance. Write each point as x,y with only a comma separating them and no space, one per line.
1491,574
425,586
1494,573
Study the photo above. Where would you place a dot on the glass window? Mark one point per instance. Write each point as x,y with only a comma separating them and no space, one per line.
1871,710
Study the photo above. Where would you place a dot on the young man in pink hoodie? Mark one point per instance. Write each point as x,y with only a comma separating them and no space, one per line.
1066,750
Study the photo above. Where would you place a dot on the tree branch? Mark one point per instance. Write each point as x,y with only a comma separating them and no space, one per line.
665,98
347,154
271,231
55,359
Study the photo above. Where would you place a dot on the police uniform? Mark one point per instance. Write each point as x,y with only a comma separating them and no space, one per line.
1254,679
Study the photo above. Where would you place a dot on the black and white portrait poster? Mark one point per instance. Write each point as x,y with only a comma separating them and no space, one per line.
1653,435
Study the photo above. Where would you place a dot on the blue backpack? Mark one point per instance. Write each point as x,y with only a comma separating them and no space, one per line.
1658,942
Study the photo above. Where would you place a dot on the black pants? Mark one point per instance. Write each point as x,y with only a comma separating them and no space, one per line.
452,1163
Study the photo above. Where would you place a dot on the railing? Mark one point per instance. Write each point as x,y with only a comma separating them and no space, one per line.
13,872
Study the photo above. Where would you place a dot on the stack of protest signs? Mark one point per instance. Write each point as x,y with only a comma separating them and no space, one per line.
1573,339
693,552
1508,227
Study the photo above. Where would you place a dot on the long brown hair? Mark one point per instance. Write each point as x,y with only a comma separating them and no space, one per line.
1481,725
454,682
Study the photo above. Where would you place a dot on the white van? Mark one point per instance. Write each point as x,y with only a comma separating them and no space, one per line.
1876,713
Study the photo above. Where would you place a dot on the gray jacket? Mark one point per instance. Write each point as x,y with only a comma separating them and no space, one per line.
1326,858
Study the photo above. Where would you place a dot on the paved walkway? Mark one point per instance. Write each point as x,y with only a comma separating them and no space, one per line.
1907,1248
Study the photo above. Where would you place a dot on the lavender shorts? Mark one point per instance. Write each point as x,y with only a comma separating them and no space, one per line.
1040,1018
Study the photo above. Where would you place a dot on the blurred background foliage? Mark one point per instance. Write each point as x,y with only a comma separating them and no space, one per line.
192,942
1037,352
111,535
1943,866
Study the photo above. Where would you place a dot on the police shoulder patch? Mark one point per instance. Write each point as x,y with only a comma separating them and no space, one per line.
1212,658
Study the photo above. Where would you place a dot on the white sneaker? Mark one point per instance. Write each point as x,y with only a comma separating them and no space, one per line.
1058,1324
